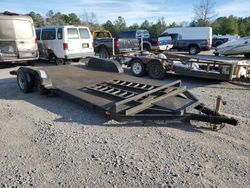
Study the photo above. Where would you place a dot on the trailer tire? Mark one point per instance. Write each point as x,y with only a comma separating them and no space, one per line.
156,70
103,53
193,50
137,68
24,81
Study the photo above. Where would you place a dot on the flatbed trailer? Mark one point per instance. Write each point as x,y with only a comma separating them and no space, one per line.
201,66
122,97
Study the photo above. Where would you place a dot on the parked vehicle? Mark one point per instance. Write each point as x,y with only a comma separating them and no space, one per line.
62,43
106,46
235,47
149,43
17,38
220,39
192,39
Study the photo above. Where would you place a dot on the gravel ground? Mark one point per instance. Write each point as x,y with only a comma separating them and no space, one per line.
53,142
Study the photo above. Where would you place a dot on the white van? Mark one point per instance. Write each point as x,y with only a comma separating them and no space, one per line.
17,38
192,39
62,43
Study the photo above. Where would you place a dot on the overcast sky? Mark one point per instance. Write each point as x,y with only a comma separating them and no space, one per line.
132,10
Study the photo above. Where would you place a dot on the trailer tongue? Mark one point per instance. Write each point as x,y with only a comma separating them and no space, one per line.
122,97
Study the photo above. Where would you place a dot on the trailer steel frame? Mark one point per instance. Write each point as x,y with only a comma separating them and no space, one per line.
123,97
211,67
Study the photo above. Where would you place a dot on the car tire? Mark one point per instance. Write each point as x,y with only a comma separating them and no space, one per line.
216,54
146,47
137,68
193,50
30,63
59,61
103,53
156,70
247,56
24,81
52,58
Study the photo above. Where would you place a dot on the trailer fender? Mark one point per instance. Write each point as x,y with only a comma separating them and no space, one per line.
105,65
44,80
38,77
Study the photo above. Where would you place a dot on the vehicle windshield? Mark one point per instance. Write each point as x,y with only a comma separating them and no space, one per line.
142,33
15,29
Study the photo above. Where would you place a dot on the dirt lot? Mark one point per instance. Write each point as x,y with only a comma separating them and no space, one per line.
53,142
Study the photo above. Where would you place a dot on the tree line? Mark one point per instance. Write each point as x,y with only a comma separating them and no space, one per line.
221,25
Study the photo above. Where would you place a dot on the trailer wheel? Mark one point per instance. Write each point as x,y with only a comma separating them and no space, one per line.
103,53
156,70
24,81
193,50
137,68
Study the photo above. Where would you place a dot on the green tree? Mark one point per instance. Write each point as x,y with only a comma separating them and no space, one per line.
73,19
146,25
158,28
245,26
109,26
135,26
119,25
173,24
225,25
37,19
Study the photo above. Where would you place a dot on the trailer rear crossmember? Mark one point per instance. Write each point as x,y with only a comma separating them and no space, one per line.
124,99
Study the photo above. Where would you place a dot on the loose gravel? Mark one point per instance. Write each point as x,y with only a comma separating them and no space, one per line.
53,142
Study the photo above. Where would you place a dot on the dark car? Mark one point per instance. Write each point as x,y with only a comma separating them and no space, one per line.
106,46
149,43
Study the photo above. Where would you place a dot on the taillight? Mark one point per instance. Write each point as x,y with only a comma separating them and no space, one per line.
93,44
158,43
65,46
117,43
